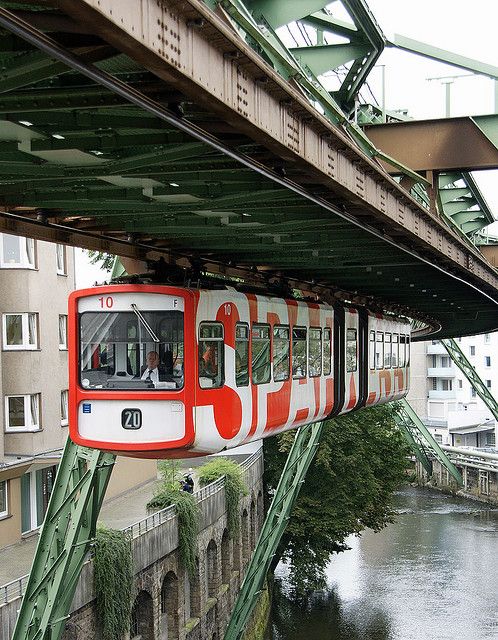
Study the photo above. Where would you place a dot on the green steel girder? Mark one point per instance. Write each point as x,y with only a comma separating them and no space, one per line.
441,55
66,536
300,456
108,140
418,436
29,68
322,58
464,205
470,373
281,12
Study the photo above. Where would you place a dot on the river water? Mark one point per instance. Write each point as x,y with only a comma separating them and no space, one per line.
432,575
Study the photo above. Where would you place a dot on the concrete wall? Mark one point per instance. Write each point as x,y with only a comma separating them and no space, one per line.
192,609
128,473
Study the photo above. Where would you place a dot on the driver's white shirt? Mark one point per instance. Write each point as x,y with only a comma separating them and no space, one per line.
154,376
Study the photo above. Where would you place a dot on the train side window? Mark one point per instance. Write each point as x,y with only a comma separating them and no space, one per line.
407,344
315,352
327,351
241,354
372,350
260,355
387,351
351,350
299,355
401,351
211,364
395,350
281,353
379,350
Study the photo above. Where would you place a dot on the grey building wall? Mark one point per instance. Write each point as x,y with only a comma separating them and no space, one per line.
43,371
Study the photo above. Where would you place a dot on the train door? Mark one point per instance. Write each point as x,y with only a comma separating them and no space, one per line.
351,346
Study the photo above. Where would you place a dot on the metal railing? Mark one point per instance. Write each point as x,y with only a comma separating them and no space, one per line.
13,590
476,459
16,588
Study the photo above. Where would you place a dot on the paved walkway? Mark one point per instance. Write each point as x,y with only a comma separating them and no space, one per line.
118,513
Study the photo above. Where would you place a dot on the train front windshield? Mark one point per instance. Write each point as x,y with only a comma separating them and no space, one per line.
140,350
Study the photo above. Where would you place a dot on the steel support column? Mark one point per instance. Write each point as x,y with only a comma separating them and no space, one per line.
300,456
470,373
418,436
65,539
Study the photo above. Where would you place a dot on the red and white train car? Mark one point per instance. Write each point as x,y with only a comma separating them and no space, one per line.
158,371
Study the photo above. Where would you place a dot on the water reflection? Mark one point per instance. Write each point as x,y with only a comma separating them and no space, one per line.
432,574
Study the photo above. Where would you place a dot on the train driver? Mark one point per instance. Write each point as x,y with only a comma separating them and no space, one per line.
153,371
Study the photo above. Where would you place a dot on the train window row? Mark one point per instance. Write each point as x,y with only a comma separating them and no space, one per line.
265,346
388,350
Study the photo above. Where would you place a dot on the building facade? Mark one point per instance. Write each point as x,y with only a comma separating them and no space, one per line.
452,409
35,281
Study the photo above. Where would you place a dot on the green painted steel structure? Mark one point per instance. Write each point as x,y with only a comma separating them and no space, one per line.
300,456
77,156
422,442
458,357
66,537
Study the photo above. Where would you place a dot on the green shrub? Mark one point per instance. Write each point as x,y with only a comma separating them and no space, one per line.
170,472
188,520
113,581
234,487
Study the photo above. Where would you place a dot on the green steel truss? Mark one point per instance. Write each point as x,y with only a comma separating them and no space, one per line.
423,444
470,373
300,457
65,539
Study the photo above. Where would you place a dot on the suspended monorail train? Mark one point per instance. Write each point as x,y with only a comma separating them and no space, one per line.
168,372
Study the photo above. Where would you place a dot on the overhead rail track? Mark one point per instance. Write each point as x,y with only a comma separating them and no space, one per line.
243,175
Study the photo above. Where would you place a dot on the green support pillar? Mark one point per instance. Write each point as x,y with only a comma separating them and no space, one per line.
420,438
469,372
67,534
300,456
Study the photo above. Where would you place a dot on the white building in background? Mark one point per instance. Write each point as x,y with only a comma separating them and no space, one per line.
452,410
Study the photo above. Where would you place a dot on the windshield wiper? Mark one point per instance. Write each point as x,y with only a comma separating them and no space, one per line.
144,322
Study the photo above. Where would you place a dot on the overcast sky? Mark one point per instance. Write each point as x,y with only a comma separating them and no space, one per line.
460,26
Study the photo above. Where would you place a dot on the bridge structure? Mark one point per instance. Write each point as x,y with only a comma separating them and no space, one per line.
189,130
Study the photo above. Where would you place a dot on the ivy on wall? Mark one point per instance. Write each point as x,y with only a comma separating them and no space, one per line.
113,582
235,487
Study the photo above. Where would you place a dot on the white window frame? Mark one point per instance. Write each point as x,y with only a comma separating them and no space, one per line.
62,332
60,259
29,424
25,332
26,250
64,407
5,485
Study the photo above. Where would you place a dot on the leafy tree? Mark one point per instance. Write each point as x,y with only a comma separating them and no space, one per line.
361,460
105,260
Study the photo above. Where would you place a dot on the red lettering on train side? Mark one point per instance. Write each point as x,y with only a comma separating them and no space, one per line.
278,402
301,415
253,317
228,314
352,393
386,377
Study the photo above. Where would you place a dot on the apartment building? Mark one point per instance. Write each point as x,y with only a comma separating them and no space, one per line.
452,410
35,281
